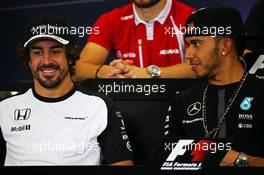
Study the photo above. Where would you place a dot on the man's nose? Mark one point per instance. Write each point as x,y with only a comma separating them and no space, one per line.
46,57
188,54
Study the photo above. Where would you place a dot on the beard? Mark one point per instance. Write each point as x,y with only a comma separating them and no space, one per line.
49,82
212,65
145,3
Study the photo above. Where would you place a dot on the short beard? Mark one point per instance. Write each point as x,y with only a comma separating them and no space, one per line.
51,84
215,56
146,5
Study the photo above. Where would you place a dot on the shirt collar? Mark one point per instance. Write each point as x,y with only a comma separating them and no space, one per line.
160,18
58,99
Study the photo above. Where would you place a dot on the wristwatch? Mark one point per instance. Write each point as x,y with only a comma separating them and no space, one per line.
154,71
241,160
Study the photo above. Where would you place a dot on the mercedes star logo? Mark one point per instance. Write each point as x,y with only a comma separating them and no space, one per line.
194,108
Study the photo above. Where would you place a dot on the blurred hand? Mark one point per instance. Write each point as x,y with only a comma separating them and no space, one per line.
125,69
136,72
120,67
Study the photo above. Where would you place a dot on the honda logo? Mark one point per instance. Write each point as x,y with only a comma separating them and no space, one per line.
22,114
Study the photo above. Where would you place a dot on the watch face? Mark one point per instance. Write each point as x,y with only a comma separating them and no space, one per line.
154,70
241,161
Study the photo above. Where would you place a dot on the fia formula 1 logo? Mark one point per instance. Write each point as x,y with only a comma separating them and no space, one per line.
191,154
180,149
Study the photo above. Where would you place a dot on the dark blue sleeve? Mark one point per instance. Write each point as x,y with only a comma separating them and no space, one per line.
173,125
114,141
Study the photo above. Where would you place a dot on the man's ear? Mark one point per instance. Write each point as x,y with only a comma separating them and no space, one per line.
226,44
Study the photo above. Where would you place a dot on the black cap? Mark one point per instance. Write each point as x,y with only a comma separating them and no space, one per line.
48,27
254,23
216,21
254,26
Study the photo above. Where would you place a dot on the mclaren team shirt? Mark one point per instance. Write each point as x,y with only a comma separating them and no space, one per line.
79,128
158,41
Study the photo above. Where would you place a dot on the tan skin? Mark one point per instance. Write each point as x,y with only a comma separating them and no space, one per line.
94,55
51,52
218,62
46,52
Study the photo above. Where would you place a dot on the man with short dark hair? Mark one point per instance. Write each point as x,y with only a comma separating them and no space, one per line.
229,103
146,39
56,122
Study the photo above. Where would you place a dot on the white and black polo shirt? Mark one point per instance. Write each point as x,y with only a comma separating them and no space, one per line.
79,128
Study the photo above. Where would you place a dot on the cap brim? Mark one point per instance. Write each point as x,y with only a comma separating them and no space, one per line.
53,37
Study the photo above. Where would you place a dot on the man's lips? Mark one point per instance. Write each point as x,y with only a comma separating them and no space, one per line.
46,67
48,70
194,65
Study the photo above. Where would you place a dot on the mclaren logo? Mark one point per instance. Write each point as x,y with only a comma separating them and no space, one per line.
194,108
22,114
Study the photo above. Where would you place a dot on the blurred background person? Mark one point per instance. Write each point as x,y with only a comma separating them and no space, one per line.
254,48
145,38
254,25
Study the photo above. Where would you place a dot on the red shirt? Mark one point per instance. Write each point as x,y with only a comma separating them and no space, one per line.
123,32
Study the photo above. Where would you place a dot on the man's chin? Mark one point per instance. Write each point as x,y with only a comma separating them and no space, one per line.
145,5
49,84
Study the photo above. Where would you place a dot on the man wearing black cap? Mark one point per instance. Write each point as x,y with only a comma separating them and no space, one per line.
229,103
56,122
254,49
254,25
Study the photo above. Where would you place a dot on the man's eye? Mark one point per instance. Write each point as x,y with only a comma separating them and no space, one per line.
196,43
37,52
56,51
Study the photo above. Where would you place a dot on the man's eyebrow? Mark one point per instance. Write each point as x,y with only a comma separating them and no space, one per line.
57,46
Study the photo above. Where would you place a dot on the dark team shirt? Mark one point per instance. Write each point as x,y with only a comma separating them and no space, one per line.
244,121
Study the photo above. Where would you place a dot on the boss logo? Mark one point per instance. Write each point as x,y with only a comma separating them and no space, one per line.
22,114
